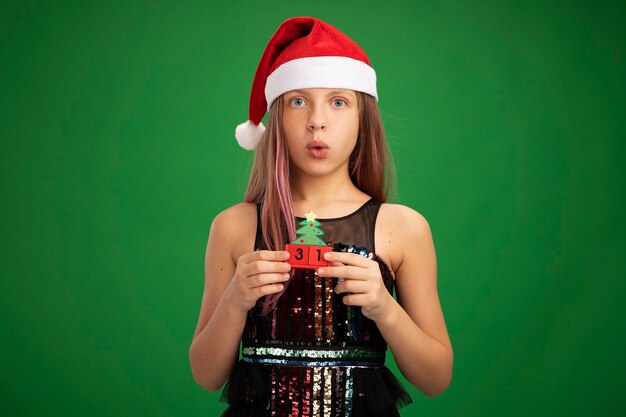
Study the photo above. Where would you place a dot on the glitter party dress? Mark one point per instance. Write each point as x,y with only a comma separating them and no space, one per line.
313,355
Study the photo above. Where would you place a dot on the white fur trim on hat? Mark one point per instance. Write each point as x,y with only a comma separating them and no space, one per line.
248,134
321,72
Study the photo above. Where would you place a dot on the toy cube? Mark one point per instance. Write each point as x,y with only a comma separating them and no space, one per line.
299,255
316,255
307,256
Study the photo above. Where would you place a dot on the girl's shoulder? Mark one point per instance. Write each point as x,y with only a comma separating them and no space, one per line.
398,229
242,212
235,228
400,212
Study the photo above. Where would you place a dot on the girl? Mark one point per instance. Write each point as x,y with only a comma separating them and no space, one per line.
314,337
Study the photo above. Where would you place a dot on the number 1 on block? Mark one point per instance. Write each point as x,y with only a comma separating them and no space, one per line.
316,255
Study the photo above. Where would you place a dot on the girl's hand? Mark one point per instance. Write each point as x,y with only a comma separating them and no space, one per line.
363,279
257,274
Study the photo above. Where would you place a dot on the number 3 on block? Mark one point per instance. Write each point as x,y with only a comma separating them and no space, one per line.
299,254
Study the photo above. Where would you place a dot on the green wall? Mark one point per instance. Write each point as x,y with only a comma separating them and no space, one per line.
507,124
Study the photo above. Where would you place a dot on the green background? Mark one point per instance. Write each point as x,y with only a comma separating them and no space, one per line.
506,120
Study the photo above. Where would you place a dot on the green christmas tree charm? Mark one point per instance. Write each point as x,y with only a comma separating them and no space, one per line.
307,251
310,231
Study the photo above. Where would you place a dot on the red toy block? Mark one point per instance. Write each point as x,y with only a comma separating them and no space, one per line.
307,256
299,255
316,255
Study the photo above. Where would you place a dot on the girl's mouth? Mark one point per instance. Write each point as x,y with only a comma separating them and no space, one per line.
318,152
317,148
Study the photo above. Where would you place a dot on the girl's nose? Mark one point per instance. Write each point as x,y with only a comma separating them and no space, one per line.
317,120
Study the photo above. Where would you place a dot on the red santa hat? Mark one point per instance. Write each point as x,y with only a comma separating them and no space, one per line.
305,52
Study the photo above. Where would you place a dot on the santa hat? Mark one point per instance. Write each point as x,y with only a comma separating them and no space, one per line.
304,53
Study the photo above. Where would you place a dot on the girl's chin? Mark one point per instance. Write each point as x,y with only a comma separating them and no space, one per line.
317,169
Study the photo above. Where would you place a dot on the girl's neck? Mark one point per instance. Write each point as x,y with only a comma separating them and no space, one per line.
324,194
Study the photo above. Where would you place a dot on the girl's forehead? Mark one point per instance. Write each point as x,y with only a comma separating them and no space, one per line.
321,91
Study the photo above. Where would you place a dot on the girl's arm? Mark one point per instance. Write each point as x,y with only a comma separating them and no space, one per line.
235,277
413,327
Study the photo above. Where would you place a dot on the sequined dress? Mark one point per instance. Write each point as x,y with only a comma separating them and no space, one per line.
313,355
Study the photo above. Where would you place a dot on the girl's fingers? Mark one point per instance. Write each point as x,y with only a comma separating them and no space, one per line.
348,258
344,271
264,279
355,299
346,265
353,286
267,289
262,267
264,255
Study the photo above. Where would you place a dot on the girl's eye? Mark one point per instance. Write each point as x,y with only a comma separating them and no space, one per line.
339,102
297,102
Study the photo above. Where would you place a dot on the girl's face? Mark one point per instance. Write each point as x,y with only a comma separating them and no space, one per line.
321,127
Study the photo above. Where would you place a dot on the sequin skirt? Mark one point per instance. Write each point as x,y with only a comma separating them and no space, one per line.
305,383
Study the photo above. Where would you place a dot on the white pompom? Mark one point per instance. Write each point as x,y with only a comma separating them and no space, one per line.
248,134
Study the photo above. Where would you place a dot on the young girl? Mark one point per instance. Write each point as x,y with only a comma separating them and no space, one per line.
314,337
